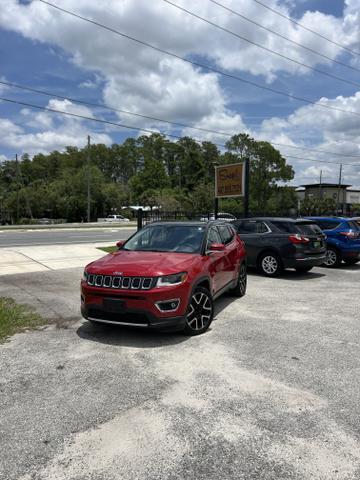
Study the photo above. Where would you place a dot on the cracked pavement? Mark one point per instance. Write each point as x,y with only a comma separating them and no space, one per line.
270,392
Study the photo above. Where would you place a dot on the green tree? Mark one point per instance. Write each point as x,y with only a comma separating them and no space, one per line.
267,169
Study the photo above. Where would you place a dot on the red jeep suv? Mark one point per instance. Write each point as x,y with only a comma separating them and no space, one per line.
166,276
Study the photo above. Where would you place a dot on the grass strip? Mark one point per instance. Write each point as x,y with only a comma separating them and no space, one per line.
108,249
16,318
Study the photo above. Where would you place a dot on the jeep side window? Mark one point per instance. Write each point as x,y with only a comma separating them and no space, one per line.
213,237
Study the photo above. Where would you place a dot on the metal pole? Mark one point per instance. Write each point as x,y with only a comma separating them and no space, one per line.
216,208
247,187
216,200
339,189
320,186
88,180
139,219
17,189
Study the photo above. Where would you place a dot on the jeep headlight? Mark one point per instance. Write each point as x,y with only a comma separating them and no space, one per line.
85,276
171,280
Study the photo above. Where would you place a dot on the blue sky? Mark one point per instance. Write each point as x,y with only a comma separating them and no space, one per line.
45,49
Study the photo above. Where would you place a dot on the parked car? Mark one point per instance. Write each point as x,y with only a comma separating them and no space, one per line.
44,221
166,276
273,244
226,217
114,219
343,239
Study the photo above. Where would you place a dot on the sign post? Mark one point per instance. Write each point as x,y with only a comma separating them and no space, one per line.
229,181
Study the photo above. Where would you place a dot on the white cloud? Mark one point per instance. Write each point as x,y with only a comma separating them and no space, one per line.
3,88
55,131
333,131
141,80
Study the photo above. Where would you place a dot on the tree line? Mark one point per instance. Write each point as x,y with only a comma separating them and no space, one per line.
148,170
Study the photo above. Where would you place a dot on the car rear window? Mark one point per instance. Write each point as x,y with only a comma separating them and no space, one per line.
353,225
287,227
328,224
308,228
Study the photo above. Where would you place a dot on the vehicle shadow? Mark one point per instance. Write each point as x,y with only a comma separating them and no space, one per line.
128,337
223,302
345,266
136,338
291,275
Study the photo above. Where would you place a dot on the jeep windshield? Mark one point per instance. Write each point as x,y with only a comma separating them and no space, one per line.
167,238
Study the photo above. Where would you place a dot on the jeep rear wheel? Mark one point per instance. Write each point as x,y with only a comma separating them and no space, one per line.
240,289
200,312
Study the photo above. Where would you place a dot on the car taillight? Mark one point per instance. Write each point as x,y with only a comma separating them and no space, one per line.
298,239
350,234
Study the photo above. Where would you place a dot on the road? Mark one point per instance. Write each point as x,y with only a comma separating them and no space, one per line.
20,238
270,392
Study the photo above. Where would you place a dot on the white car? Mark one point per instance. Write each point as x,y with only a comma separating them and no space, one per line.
226,217
116,218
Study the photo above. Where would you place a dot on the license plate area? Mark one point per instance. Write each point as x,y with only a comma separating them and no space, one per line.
114,305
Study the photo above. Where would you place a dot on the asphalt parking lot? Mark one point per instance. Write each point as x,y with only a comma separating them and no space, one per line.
271,391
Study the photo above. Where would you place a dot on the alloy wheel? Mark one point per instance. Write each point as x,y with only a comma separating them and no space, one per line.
199,311
269,264
331,258
242,280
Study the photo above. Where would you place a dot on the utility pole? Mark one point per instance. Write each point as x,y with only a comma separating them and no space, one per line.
17,189
339,189
88,180
216,200
247,187
320,186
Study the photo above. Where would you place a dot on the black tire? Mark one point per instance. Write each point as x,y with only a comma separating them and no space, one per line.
240,289
333,258
270,264
351,261
200,312
303,269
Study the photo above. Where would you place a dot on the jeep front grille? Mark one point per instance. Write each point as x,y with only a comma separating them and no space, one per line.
123,283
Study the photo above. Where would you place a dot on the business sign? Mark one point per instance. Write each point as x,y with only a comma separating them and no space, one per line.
229,180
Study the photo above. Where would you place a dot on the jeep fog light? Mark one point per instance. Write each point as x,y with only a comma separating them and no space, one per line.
168,305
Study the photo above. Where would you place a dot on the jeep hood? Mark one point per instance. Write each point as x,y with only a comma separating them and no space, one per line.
142,264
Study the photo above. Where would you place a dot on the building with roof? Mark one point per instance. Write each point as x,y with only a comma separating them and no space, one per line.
346,197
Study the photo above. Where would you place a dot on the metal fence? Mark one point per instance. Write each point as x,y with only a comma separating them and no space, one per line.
146,217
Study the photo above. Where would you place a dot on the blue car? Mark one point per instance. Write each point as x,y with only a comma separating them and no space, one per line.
343,240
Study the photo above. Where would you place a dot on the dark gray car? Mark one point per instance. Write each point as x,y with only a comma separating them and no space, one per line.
273,244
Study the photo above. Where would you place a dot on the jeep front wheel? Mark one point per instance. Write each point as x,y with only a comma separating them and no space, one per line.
200,312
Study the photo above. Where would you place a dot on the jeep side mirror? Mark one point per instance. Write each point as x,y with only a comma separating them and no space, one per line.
120,243
217,247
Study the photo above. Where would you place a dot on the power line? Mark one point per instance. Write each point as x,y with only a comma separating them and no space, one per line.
283,36
112,109
322,161
349,50
99,120
270,50
201,65
183,125
317,150
139,129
